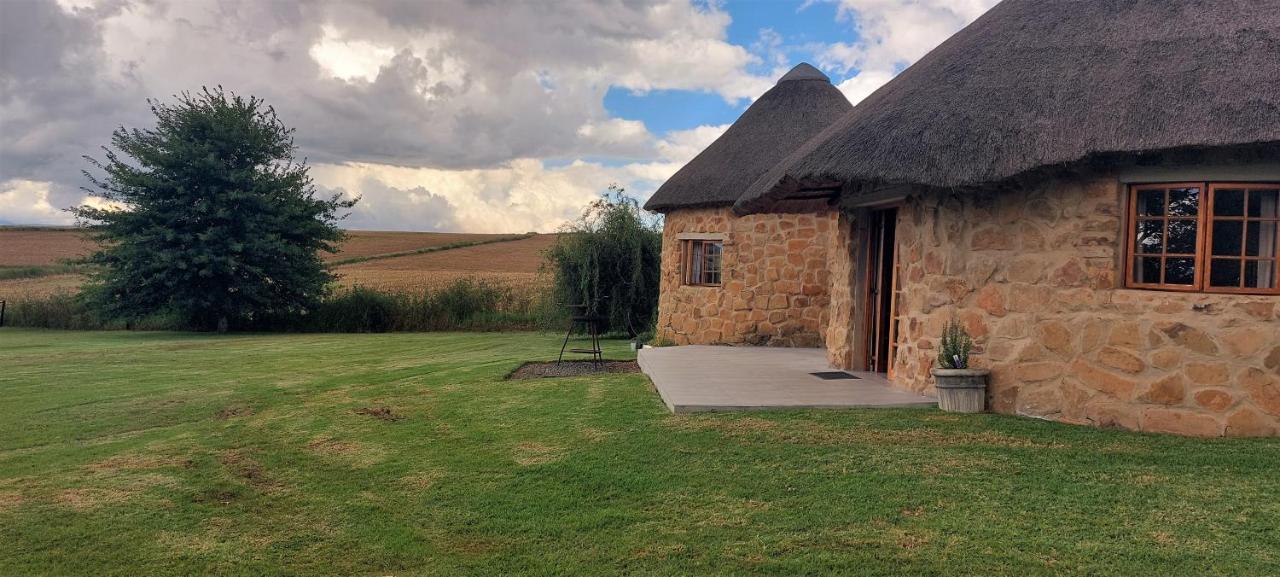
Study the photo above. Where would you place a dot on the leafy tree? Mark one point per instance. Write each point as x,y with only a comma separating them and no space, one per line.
208,217
609,260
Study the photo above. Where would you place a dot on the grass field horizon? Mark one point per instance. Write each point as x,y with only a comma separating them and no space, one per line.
133,453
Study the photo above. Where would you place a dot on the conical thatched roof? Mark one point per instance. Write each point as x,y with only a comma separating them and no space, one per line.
1041,83
801,104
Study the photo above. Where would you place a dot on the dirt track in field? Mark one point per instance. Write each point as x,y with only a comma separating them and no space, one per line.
364,243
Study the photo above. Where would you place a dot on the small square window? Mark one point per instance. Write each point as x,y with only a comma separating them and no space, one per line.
702,260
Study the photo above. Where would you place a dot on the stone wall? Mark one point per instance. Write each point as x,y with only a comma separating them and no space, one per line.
774,288
1035,275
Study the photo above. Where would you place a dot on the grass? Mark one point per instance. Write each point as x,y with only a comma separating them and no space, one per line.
408,454
37,271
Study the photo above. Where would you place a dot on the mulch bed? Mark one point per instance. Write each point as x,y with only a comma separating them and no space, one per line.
572,369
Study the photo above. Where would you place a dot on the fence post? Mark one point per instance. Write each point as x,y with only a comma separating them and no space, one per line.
2,303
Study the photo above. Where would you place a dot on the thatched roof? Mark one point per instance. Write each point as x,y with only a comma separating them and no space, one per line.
1035,84
799,106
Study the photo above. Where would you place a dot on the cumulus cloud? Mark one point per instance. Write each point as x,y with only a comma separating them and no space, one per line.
892,34
24,201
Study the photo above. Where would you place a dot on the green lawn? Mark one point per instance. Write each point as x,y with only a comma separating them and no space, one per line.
170,454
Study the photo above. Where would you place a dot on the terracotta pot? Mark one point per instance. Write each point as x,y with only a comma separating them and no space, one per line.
961,390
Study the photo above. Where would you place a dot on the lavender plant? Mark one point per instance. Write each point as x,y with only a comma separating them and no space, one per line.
953,351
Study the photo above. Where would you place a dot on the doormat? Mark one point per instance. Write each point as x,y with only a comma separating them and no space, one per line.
833,375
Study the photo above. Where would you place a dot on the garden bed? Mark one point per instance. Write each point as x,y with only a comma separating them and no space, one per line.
573,368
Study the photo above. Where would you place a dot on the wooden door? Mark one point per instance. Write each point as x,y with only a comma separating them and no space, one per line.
882,291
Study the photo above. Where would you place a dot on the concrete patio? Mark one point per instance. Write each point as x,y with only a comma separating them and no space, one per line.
713,378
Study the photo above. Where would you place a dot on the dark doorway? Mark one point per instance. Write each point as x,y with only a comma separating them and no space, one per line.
882,282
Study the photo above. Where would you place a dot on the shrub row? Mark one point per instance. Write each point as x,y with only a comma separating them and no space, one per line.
464,305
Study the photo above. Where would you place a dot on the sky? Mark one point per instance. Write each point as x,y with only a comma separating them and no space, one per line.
442,115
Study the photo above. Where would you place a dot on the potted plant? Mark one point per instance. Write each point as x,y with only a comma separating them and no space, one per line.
960,388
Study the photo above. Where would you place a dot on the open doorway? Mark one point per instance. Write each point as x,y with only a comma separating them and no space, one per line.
881,291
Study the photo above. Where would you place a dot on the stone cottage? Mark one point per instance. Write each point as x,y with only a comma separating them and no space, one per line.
758,279
1091,187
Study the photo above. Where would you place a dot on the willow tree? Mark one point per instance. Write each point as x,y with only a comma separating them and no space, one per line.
608,260
208,216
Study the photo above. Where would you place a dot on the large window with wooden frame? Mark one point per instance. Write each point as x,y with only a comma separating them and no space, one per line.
702,262
1217,237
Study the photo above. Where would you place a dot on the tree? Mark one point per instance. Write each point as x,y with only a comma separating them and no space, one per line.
207,217
609,260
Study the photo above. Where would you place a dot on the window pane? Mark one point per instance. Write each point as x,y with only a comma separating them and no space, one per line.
695,262
1260,274
1180,271
1262,203
1150,237
1150,203
1146,270
1228,202
1224,272
713,266
1260,239
1182,237
1184,201
1227,237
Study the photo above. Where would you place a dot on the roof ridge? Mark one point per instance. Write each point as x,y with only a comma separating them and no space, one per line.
804,71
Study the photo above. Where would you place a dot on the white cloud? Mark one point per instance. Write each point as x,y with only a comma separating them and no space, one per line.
26,201
861,85
893,34
350,59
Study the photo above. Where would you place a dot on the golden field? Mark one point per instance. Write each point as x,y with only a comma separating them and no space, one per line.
512,262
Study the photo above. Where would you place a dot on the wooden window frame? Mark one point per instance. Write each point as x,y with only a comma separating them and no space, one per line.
1245,219
1204,238
687,261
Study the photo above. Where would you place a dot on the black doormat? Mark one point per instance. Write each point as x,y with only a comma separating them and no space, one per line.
833,375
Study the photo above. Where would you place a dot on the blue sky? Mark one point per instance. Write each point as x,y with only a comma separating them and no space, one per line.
802,30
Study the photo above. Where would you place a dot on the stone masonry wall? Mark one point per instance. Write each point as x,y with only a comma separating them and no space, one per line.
774,285
1035,276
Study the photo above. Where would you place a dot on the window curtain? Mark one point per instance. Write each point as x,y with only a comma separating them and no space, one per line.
1267,245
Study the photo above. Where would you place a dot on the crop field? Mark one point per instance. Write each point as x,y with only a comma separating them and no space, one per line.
32,260
21,246
515,263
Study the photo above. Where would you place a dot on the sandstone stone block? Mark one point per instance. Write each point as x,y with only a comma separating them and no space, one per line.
991,239
1035,372
1166,358
1215,400
1246,422
1110,414
991,300
1207,373
1126,334
1042,401
1121,359
1180,422
1169,390
1263,390
1103,381
1189,337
